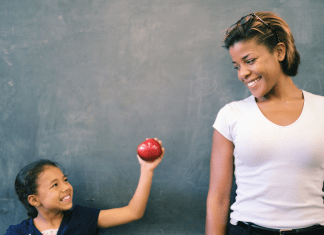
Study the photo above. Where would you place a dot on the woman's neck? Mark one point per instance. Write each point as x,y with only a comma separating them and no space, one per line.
284,91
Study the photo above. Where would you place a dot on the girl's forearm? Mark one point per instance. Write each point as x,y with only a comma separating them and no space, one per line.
135,208
139,201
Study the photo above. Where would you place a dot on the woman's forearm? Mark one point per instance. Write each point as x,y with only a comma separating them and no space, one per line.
217,216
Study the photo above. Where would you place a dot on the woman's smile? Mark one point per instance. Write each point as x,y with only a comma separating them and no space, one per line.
257,67
253,83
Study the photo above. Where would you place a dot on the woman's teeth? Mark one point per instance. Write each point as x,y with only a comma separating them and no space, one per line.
252,84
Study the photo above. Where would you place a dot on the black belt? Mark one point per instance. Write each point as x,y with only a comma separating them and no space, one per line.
316,229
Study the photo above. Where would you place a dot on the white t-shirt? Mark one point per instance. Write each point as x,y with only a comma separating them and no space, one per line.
279,170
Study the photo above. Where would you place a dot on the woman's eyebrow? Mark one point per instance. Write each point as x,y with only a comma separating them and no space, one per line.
243,58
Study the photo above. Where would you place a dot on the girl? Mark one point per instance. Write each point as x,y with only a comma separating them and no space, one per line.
47,195
276,136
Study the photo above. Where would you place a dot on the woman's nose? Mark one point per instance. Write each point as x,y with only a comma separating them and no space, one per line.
243,73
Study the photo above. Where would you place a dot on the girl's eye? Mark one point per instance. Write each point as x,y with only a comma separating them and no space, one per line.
54,185
66,180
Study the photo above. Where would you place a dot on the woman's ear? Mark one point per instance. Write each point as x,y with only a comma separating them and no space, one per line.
33,200
281,51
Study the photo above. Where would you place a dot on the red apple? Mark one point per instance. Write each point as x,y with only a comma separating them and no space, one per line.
149,150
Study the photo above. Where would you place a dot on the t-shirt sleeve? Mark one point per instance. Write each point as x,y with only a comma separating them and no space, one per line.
222,122
82,219
88,215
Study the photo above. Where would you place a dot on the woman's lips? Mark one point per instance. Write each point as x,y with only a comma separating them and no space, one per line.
253,83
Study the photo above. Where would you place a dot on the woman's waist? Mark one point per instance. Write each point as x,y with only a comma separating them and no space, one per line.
278,218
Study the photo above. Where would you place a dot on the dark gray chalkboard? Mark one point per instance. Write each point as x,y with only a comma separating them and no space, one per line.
83,82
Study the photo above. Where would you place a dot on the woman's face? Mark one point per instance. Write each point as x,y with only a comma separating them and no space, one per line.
259,69
54,192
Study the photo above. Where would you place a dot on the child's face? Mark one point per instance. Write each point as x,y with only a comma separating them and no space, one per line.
54,192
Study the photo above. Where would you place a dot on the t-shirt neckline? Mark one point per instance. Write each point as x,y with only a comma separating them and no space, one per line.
287,126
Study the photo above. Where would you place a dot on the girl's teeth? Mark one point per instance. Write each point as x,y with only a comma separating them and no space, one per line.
66,198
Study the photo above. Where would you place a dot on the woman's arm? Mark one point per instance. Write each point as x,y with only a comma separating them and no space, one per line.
136,207
221,175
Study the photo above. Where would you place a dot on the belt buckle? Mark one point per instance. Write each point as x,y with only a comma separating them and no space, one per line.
281,232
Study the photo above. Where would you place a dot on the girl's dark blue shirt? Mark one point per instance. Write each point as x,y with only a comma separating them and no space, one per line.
78,220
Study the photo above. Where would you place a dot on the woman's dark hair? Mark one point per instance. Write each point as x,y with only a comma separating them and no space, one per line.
268,29
26,183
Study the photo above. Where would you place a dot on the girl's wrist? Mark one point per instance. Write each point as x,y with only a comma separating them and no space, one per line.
147,171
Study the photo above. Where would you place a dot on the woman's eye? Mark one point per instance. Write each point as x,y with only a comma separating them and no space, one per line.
250,61
66,180
54,185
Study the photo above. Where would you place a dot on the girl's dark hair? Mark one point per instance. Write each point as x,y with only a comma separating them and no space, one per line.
26,183
268,29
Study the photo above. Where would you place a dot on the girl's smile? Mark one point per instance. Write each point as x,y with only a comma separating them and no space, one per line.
54,191
66,198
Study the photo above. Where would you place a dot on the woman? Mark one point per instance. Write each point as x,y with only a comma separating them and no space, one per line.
274,138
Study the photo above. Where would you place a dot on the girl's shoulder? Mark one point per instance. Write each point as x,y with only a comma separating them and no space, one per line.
25,227
80,219
78,210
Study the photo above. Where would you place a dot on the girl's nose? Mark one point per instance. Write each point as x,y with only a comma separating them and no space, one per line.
66,187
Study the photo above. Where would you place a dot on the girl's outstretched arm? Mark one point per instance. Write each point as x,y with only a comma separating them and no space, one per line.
136,207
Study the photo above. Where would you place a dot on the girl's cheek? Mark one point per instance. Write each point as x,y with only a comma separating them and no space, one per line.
50,193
